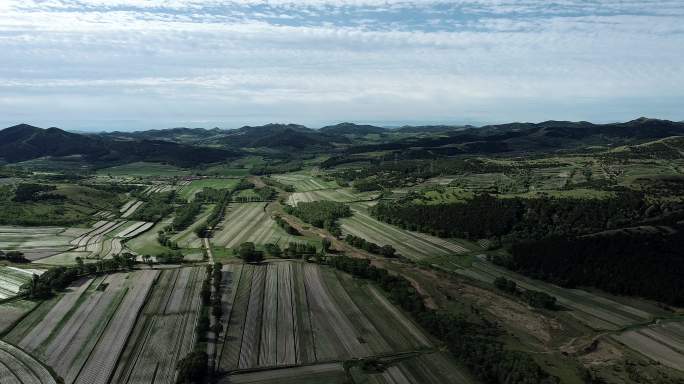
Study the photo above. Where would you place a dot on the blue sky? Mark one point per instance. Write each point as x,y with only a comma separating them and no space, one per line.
134,64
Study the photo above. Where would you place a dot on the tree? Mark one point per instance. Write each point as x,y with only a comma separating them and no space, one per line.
248,253
192,369
326,243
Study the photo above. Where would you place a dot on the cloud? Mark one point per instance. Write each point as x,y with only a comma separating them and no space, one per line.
315,59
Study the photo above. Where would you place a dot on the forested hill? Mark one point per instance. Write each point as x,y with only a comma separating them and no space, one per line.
26,142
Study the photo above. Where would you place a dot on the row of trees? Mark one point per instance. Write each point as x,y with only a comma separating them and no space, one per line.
157,205
475,343
321,214
278,184
14,257
282,223
536,299
361,243
185,215
58,278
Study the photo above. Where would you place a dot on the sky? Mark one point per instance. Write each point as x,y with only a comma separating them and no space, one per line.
134,64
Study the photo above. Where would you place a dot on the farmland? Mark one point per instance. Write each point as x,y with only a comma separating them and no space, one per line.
410,244
38,242
343,195
165,330
305,181
291,313
249,222
17,367
80,333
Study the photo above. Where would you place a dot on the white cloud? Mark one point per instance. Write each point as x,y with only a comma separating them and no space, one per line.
375,60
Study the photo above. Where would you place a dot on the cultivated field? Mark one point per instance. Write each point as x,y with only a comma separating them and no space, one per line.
343,195
286,313
38,242
104,240
11,280
146,243
81,333
17,367
249,222
304,181
663,342
165,331
410,244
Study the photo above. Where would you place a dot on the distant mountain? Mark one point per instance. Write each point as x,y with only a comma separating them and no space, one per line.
279,136
352,129
529,137
431,128
179,135
25,142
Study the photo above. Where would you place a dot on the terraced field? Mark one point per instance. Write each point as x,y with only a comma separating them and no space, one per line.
283,314
249,222
413,245
165,331
11,280
81,333
343,195
304,181
38,242
146,243
17,367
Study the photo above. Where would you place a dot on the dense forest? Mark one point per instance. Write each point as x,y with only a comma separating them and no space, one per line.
516,218
643,264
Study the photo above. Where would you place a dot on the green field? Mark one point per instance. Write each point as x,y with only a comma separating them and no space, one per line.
189,191
304,181
147,244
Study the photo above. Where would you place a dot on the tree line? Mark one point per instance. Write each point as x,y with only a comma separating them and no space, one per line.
361,243
321,214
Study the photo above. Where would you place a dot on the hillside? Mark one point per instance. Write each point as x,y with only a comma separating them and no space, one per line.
26,142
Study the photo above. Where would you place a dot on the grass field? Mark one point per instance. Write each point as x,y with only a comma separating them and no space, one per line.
189,191
146,243
250,222
142,169
286,313
413,245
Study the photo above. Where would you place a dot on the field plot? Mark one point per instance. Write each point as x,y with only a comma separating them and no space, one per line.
284,314
663,342
190,190
187,237
596,311
410,244
303,181
12,311
142,169
17,367
104,240
165,331
146,243
82,333
330,373
130,208
343,195
249,222
38,242
11,280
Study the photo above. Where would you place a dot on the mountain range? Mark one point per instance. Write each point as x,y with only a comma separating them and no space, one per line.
190,146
